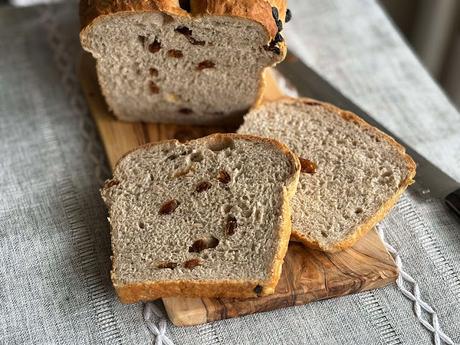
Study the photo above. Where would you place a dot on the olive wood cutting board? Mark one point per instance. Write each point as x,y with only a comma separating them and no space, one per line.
308,275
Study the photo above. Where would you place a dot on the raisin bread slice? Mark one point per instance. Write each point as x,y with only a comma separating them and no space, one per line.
208,218
195,62
352,173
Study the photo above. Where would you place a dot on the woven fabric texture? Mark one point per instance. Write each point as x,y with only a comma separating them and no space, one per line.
54,243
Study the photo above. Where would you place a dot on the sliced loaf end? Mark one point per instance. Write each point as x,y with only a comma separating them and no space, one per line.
208,218
173,67
352,173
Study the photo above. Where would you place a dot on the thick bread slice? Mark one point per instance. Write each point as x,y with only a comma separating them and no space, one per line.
208,218
202,63
352,173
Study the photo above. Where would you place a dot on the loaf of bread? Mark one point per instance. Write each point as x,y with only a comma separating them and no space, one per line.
208,218
352,173
188,62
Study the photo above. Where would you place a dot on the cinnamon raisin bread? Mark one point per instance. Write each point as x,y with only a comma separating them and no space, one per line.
352,173
208,218
195,62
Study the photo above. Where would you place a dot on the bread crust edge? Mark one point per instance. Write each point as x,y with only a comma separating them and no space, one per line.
259,11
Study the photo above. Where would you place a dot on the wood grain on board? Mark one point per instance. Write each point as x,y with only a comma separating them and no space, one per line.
308,275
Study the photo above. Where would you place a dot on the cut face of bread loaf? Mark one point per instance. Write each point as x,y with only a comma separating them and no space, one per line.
203,64
352,173
207,218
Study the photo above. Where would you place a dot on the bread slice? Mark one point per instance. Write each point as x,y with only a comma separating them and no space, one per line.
194,62
352,173
208,218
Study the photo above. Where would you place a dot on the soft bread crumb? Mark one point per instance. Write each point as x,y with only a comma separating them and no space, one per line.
229,229
152,65
358,173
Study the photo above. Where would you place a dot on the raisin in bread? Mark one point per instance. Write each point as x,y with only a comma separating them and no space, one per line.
208,218
352,173
195,62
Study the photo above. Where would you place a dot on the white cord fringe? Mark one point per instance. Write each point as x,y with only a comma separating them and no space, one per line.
159,331
416,298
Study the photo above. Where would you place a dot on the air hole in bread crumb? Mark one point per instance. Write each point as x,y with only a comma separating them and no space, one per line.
230,226
196,157
155,46
183,30
387,174
175,53
359,210
153,72
188,34
219,143
247,212
141,225
141,39
324,234
204,243
226,208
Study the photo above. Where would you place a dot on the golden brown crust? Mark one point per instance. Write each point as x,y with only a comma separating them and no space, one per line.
256,10
149,291
364,228
131,293
93,9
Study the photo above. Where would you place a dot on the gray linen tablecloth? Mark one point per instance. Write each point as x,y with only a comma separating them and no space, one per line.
54,244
